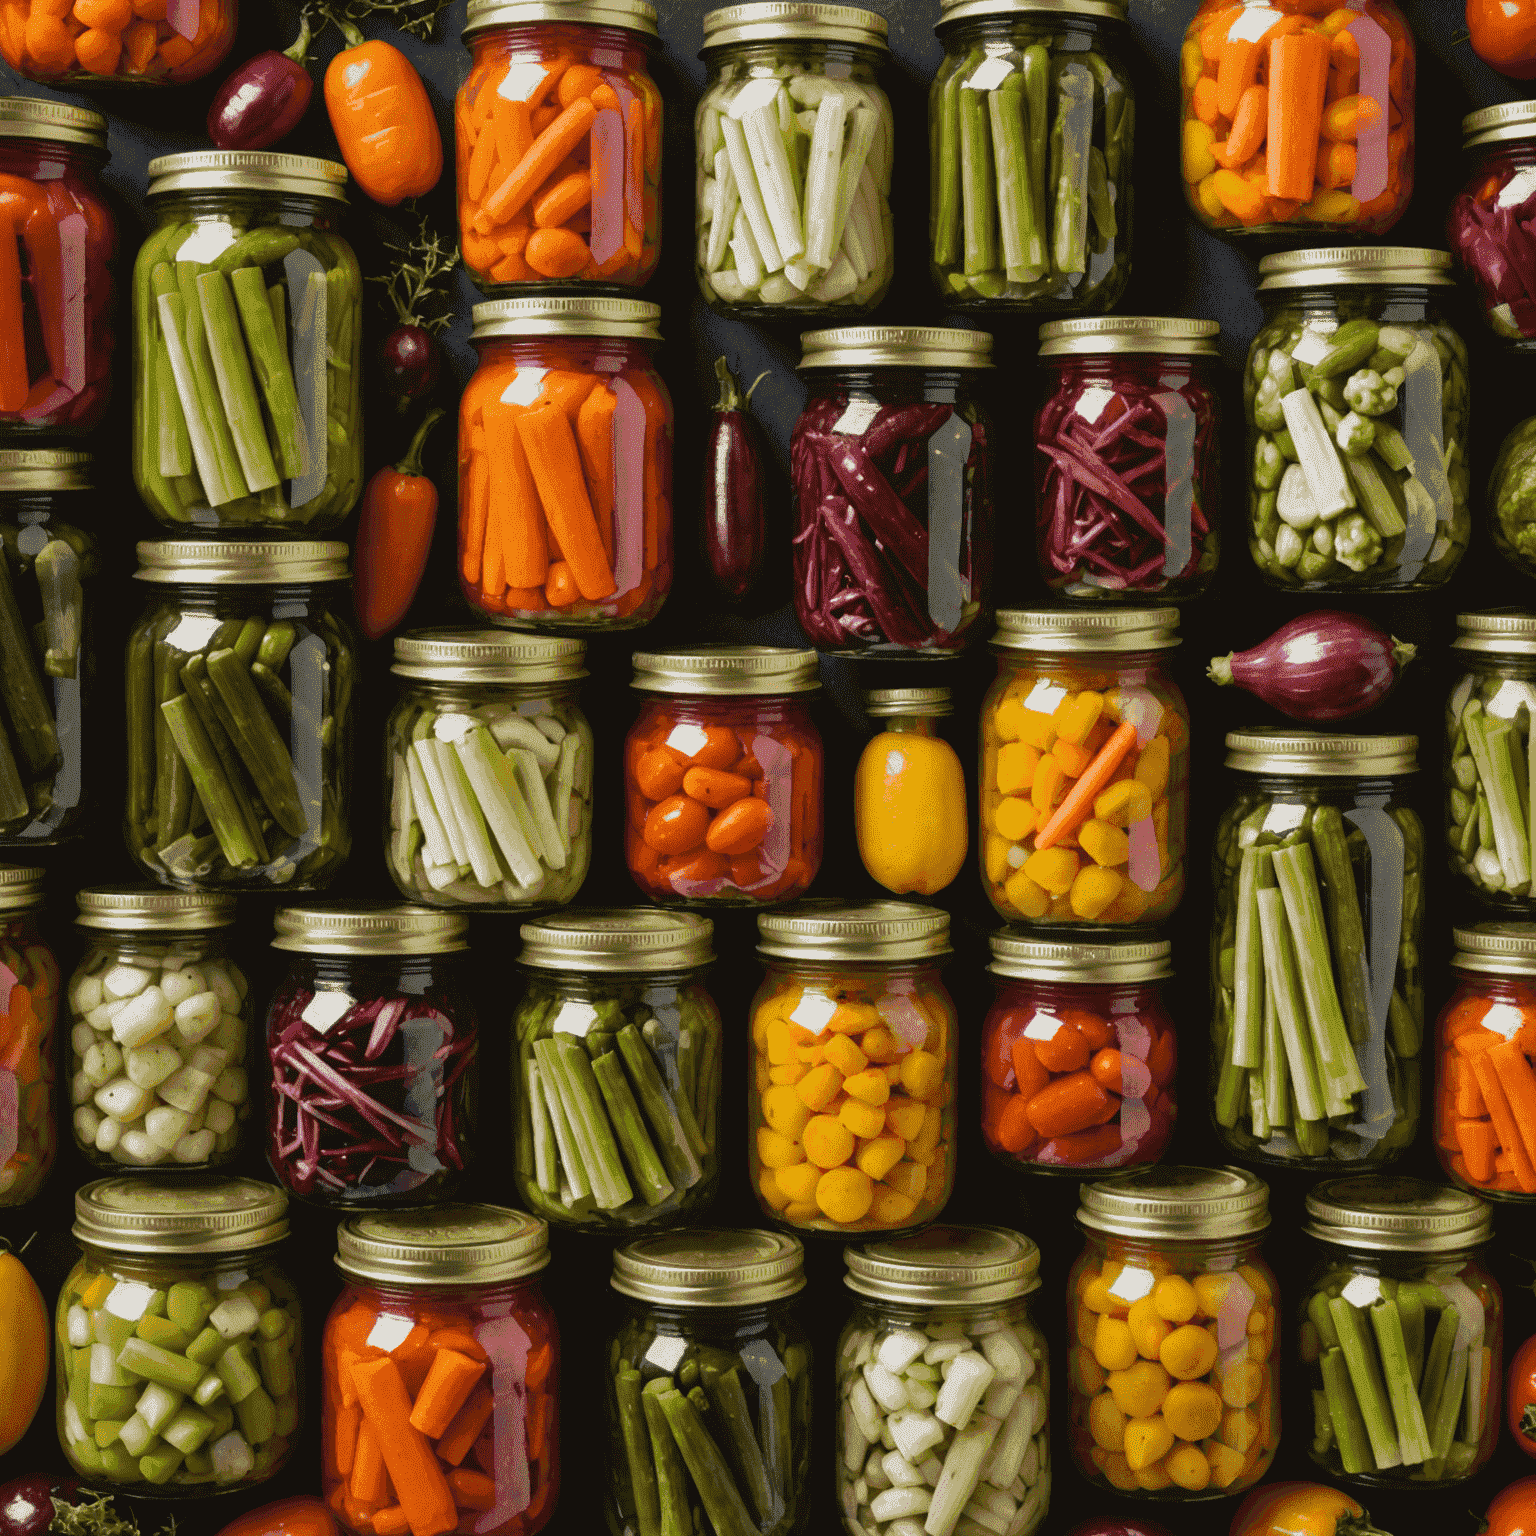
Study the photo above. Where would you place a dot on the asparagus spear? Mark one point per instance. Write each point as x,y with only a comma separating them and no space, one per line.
637,1450
1281,979
677,1138
265,753
978,183
671,1482
722,1385
711,1476
567,1066
945,233
1023,244
22,690
1248,992
1407,1412
269,354
207,774
1074,126
1344,1412
1365,1377
237,389
624,1116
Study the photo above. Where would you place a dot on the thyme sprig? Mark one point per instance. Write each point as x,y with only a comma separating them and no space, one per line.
418,279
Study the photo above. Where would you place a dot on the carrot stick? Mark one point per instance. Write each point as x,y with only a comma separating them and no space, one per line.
1236,71
553,69
344,1441
452,1337
512,125
567,389
594,433
449,1382
1203,99
473,515
1298,82
1504,1121
514,522
556,464
369,1483
391,1522
473,1490
562,200
13,345
413,1469
1077,807
481,159
1519,1085
466,1426
1479,1144
579,80
560,589
1250,124
533,170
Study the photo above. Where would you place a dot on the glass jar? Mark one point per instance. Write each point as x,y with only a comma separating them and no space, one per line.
617,1077
1031,128
596,217
942,1359
42,40
909,809
1490,225
1317,996
794,222
46,632
247,358
440,1374
1509,522
180,1339
1084,695
239,716
723,776
159,1018
1356,396
592,548
891,464
1400,1332
29,981
1352,116
853,1067
1173,1391
372,1038
1128,459
1078,1055
476,704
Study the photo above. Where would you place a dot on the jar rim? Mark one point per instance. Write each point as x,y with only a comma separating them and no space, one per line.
629,15
823,929
773,20
1391,1213
1496,949
566,315
247,170
240,562
1108,335
1508,121
961,1266
21,887
58,122
1050,630
603,941
45,469
154,909
710,1267
443,1245
720,670
1321,754
487,656
1173,1202
895,346
369,930
967,10
918,703
192,1214
1496,632
1026,958
1377,265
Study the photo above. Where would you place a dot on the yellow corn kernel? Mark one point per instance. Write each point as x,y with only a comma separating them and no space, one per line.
1175,1299
1241,1383
1106,1423
769,1188
904,1118
1008,720
1048,786
1073,758
879,1044
1038,729
1225,1463
1152,767
1113,1346
853,1018
1026,897
1188,1467
1017,763
1147,1328
1147,1441
1210,1292
798,1181
1239,1429
1076,715
1193,1409
921,1074
1141,1389
785,1111
845,1055
1198,160
1123,802
1116,1469
1093,889
1191,64
844,1195
789,1074
908,1179
1053,869
864,1120
1154,1478
775,1150
819,1086
1187,1353
870,1086
1335,206
997,856
891,1208
927,1139
1105,845
879,1154
1015,818
1210,200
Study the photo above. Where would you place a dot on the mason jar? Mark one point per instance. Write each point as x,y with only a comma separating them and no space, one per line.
617,1071
56,310
47,563
1400,1332
475,704
574,534
1301,124
708,1359
179,1336
853,1068
440,1373
1488,226
1078,1054
1084,697
1317,994
160,1018
1509,524
1356,399
723,772
942,1368
796,221
239,716
1128,459
596,216
1031,128
247,356
45,41
29,982
372,1039
1173,1389
891,466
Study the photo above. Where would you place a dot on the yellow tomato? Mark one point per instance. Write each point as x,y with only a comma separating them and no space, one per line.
909,812
24,1363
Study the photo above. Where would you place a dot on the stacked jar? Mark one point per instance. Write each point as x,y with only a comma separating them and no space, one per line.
29,985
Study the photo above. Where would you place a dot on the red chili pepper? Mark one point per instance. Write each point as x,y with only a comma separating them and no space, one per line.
394,535
734,525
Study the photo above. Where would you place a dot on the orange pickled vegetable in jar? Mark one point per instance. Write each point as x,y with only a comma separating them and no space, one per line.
29,983
143,42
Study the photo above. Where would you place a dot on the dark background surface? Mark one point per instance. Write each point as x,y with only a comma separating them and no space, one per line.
1178,269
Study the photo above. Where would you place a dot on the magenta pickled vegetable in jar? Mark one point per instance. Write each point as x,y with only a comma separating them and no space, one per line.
372,1039
1491,226
891,462
1128,458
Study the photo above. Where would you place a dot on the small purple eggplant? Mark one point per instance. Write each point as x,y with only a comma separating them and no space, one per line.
408,359
735,532
265,99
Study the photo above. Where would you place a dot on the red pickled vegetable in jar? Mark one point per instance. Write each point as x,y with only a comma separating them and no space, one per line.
1491,226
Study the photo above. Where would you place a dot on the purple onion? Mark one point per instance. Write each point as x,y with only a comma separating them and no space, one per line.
408,358
265,99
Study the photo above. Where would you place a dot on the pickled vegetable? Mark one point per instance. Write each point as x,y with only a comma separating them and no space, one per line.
86,43
29,981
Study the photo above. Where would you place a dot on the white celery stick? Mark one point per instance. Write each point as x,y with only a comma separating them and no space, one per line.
426,757
515,731
862,126
565,783
471,819
749,264
726,203
822,180
491,777
775,180
750,193
531,780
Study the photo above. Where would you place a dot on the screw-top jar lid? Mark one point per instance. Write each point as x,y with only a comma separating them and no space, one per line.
954,1266
895,346
443,1245
765,22
44,469
1499,633
917,703
574,315
632,15
1356,264
966,10
1321,754
1017,955
727,669
247,170
21,888
621,939
240,562
487,656
841,933
710,1267
1087,629
364,930
147,908
1499,949
1103,335
31,117
1389,1213
191,1214
1498,125
1175,1203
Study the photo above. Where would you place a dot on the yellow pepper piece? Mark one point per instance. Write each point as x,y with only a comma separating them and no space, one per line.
785,1111
1210,1292
1049,785
1123,802
997,855
904,1118
1140,1389
845,1055
1188,1467
1113,1346
1106,1423
828,1142
819,1086
922,1073
1193,1409
1008,720
924,1145
1187,1353
1026,897
1016,765
870,1086
1015,818
1037,728
1146,1441
844,1194
879,1155
775,1150
909,812
1147,1328
1198,159
769,1188
864,1120
1209,198
909,1179
853,1019
1104,844
1093,890
789,1074
1152,766
784,1039
1175,1299
1332,207
1077,714
890,1207
1053,868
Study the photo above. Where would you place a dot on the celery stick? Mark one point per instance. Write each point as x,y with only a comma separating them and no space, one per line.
571,1164
1365,1377
1023,243
531,781
217,490
469,816
237,388
1344,1410
727,202
775,179
491,778
270,357
565,784
311,373
1407,1413
433,834
1375,496
747,189
1447,1403
546,1167
645,1164
945,217
1486,739
978,183
1258,1109
1277,1079
1248,962
748,259
858,156
196,334
822,180
1280,978
1074,125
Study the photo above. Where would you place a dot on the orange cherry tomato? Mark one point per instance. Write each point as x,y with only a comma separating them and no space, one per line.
1062,1049
677,825
716,788
720,750
659,773
1302,1509
1107,1069
739,829
288,1517
697,866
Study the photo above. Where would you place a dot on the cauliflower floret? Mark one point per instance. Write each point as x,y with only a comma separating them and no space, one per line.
1355,434
1355,543
1370,394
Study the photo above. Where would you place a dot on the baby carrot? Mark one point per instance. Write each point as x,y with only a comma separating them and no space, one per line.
515,521
556,465
473,515
563,200
1298,81
1014,1131
1336,165
1479,1144
1504,1121
594,433
556,253
560,589
578,81
449,1382
511,133
1237,70
413,1469
533,170
1204,99
1069,1104
1250,125
1077,806
13,346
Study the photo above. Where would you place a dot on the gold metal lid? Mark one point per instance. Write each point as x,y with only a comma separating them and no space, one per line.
620,939
919,703
632,15
575,315
31,117
1102,335
939,1266
1497,125
487,656
1320,754
1086,629
247,170
1014,954
1175,1203
895,346
240,562
727,669
147,908
44,469
21,888
1356,264
841,933
364,930
1499,949
710,1267
1501,633
966,10
1387,1213
190,1214
765,22
443,1245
